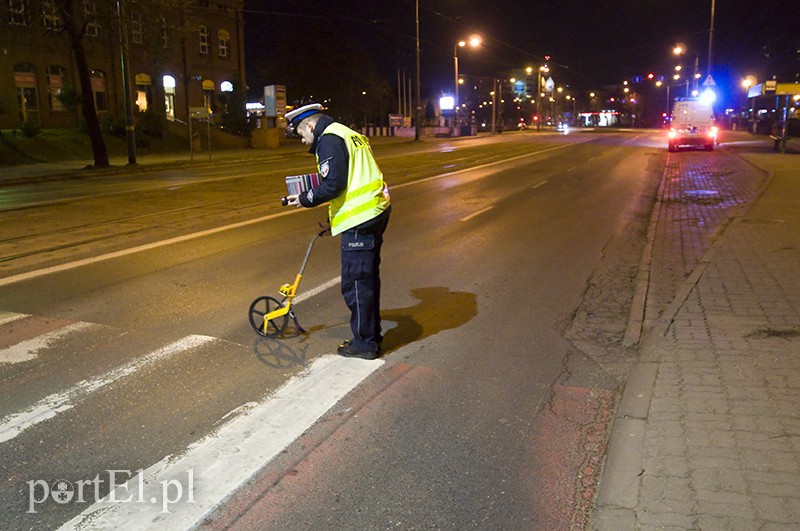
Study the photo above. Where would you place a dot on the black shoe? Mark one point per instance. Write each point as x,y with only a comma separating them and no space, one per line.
348,349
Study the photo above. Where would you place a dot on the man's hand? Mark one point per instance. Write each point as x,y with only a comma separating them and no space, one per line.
292,200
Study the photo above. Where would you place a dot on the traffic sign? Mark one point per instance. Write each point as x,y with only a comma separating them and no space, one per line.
709,82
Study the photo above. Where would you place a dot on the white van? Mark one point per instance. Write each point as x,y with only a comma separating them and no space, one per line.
692,125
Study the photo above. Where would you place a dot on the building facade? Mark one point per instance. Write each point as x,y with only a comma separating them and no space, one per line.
180,55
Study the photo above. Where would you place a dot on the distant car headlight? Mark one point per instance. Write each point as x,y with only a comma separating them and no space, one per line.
672,133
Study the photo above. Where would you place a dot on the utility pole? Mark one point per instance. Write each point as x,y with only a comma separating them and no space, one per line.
711,37
130,134
416,96
495,99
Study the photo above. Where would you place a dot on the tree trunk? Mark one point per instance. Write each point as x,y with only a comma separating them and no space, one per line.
88,109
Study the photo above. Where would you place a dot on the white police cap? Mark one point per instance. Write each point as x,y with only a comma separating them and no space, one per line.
301,113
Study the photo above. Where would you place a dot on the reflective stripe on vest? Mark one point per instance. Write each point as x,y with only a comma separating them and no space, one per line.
367,195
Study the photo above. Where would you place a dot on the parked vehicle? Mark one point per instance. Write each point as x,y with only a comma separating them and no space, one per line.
692,125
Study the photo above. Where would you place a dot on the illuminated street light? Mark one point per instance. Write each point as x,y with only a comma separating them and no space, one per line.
748,82
474,41
680,49
542,69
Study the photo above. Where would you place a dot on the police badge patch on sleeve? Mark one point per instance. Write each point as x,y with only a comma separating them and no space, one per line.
324,168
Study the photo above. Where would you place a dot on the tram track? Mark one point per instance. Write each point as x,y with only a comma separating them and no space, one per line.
171,208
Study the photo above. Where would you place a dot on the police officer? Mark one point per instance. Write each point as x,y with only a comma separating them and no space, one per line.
358,209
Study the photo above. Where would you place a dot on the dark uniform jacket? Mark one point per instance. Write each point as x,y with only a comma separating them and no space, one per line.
332,162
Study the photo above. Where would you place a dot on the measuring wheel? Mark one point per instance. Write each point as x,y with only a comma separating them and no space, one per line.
263,306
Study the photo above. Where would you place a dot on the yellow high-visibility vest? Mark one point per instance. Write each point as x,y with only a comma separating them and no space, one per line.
367,194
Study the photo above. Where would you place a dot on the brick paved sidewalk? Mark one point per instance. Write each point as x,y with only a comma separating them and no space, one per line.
708,432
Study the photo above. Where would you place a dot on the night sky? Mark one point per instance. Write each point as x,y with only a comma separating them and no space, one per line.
310,44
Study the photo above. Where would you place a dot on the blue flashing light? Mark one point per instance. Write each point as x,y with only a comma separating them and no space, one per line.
708,96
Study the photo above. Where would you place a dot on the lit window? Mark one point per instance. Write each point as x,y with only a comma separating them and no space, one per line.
136,27
143,91
19,12
202,33
56,77
224,38
98,81
169,96
208,94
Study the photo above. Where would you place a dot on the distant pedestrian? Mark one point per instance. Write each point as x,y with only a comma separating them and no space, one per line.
359,209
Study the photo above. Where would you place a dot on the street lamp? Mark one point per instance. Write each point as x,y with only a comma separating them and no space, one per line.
542,69
680,49
748,82
474,41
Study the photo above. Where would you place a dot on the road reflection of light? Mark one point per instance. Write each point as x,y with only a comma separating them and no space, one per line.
703,194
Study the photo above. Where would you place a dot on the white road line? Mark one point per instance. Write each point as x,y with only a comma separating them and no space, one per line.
29,349
316,291
540,184
487,165
50,406
125,252
10,317
179,239
478,213
211,469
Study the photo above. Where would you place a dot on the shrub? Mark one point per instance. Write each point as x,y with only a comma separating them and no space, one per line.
69,98
30,129
151,122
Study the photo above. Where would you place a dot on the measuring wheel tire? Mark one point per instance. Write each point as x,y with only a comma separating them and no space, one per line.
261,307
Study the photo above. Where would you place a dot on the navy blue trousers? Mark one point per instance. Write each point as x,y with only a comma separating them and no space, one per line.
361,279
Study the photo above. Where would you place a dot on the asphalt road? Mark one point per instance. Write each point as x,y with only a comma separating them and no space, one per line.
476,416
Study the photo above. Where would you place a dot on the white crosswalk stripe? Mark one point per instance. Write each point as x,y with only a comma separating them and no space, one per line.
205,473
10,317
28,349
178,491
50,406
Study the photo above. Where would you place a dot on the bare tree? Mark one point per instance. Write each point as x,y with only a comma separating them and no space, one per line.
73,19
